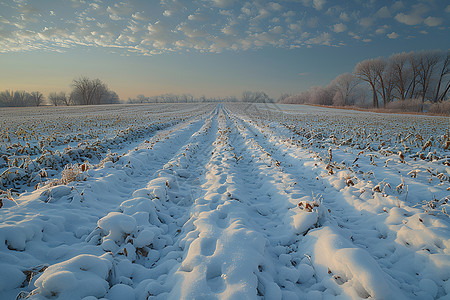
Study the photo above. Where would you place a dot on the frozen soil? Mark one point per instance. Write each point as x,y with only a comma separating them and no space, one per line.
240,201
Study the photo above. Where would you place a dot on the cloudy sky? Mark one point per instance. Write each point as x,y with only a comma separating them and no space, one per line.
207,47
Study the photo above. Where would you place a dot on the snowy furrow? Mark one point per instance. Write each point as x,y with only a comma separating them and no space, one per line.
387,238
44,236
237,203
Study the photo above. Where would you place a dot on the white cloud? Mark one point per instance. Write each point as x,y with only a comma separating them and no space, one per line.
397,6
354,35
339,27
318,4
167,13
115,17
289,14
223,3
121,9
295,26
198,17
322,39
383,12
411,19
392,35
139,16
229,30
344,17
382,29
275,6
432,21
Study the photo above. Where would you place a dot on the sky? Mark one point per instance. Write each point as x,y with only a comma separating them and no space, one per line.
215,48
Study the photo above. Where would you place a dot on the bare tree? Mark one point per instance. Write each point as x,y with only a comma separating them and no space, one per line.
64,99
6,98
427,62
54,99
59,98
414,64
400,73
247,96
37,98
344,85
445,70
368,71
21,98
89,91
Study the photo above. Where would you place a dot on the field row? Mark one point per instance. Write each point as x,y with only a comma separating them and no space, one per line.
241,201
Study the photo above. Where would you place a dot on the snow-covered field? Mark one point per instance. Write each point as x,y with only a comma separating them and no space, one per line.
223,201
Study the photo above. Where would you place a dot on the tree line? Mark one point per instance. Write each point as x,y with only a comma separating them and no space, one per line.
415,77
85,91
247,96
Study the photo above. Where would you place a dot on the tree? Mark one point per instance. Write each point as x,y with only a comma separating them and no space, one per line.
427,62
414,64
6,98
368,71
37,98
54,99
344,86
445,70
400,73
247,96
88,91
322,95
59,98
21,98
259,97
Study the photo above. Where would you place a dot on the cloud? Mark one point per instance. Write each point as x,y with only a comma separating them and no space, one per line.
432,21
344,17
383,12
121,9
207,25
275,6
339,27
28,9
322,39
392,35
447,9
366,22
382,29
318,4
409,19
139,16
198,17
223,3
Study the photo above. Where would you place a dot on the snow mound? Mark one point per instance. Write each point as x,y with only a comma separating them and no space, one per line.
78,277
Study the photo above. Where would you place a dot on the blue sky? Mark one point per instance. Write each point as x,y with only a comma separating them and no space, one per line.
207,47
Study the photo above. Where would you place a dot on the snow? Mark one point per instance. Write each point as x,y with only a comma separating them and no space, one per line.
232,201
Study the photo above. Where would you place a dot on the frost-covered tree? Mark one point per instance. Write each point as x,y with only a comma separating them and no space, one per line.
6,98
427,61
37,98
344,85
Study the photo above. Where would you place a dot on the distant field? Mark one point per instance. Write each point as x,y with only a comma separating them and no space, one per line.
223,201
